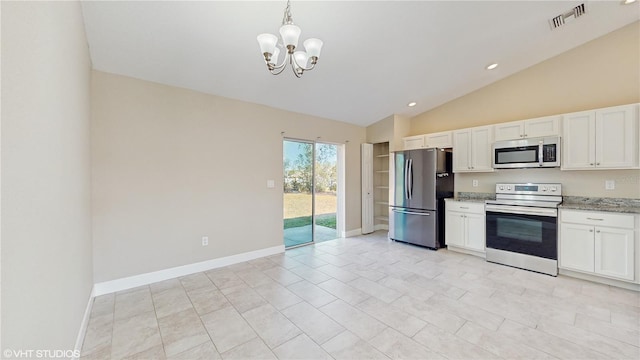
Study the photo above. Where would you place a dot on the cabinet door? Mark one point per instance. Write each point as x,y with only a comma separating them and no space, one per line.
616,137
579,141
367,188
439,140
413,142
545,126
576,247
481,141
509,131
475,232
614,252
454,228
462,150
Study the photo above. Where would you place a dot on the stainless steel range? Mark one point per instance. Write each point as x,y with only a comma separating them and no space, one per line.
522,226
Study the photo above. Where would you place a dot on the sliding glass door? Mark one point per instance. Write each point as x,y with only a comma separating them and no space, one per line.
298,192
310,192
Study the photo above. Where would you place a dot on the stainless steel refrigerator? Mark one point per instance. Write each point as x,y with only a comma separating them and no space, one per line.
423,179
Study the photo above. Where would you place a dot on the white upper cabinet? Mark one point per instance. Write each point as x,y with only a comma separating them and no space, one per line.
601,139
544,126
413,142
472,149
439,140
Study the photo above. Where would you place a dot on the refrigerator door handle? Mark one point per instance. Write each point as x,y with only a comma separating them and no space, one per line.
406,177
410,178
411,212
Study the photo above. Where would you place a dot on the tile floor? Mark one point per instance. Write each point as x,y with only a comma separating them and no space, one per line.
366,298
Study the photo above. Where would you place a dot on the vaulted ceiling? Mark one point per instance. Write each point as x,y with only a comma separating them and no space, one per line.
377,55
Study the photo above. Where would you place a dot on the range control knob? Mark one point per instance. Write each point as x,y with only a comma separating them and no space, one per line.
509,187
553,188
501,187
544,188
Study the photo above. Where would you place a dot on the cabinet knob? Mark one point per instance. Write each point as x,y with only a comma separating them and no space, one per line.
591,230
597,163
598,231
590,164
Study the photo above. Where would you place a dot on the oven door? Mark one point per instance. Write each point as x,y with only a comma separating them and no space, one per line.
530,231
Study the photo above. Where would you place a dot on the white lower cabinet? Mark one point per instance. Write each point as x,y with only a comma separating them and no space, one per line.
464,226
577,247
614,251
598,243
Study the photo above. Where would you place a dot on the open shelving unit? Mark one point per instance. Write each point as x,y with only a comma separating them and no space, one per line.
381,185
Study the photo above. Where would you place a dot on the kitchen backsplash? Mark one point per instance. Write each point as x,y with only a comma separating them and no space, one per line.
587,183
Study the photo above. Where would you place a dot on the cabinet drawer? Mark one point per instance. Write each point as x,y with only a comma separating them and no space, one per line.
597,218
467,207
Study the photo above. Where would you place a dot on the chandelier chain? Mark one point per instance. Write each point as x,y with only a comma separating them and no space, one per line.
287,18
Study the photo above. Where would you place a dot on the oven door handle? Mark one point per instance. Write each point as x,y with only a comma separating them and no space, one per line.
521,210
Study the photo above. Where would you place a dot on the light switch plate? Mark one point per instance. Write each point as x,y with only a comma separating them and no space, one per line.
474,183
271,184
610,184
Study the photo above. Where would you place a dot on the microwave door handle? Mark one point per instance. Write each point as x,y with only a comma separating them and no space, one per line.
540,155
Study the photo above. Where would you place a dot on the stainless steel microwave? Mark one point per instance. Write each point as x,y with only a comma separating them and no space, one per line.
527,153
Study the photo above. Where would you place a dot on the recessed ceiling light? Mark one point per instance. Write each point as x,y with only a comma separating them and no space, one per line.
411,104
627,2
492,66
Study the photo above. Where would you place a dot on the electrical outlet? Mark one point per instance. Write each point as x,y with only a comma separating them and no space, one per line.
205,240
610,184
475,183
271,184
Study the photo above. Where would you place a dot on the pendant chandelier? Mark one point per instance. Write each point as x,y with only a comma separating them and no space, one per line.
300,61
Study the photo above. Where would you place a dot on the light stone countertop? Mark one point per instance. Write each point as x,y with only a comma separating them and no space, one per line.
624,206
465,200
602,208
619,205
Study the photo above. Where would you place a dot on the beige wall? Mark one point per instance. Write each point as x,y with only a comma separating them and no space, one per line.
391,129
381,131
172,165
46,234
601,73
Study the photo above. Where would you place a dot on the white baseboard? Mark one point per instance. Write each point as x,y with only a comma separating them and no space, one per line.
350,233
599,279
380,227
111,286
466,251
84,324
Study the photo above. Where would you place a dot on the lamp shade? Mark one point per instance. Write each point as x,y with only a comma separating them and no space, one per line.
313,47
290,34
267,43
274,57
301,58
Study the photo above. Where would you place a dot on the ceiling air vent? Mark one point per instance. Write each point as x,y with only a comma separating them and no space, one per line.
567,17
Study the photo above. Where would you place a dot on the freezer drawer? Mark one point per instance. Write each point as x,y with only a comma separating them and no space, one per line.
414,226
